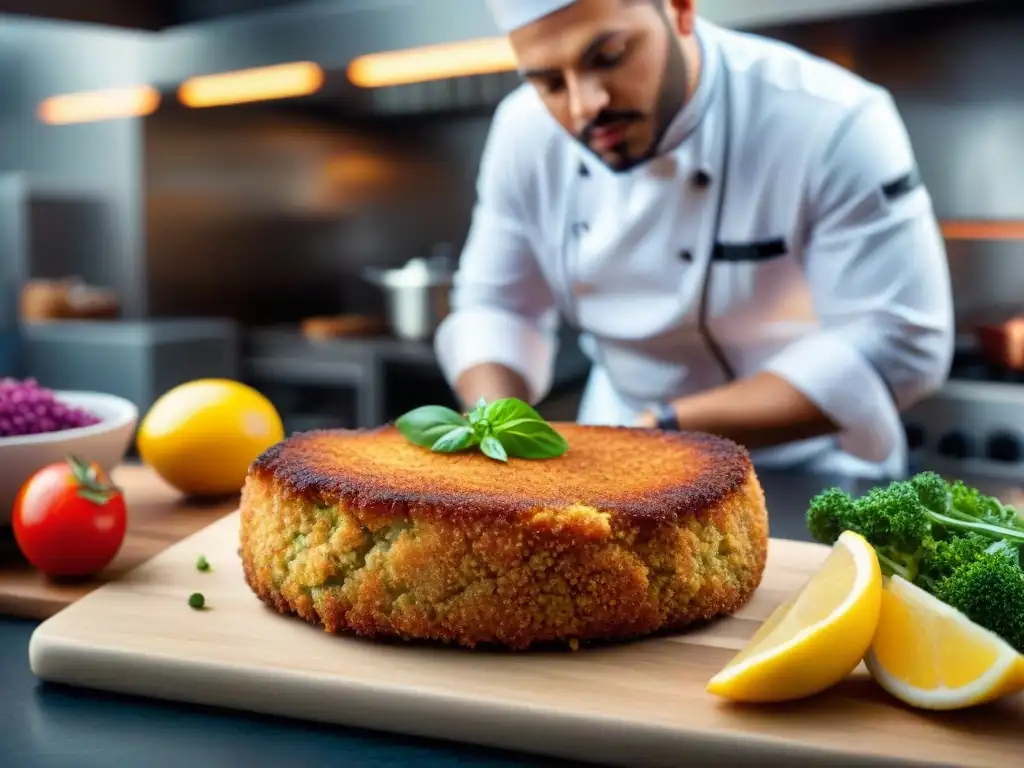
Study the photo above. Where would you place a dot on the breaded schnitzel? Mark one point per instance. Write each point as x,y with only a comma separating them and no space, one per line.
630,532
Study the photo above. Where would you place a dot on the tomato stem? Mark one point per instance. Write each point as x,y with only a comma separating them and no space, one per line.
90,485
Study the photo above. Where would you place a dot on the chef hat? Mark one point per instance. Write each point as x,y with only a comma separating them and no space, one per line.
509,15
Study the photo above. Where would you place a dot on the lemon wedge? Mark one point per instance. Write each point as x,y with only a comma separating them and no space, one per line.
817,638
931,656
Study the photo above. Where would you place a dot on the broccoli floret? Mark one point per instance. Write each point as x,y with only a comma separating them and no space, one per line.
830,513
933,491
893,517
940,558
989,590
896,524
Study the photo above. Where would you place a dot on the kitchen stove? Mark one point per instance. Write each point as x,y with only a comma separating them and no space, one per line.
974,424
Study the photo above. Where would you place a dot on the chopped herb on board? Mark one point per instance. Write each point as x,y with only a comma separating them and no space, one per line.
197,601
202,564
502,429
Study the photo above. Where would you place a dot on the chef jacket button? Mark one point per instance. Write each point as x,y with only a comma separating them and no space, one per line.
686,256
701,179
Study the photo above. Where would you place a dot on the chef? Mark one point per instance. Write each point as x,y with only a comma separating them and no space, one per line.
737,229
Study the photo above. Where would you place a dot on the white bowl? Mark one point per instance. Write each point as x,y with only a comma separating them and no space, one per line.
106,443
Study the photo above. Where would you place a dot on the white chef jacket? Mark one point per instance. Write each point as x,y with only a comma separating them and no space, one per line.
830,270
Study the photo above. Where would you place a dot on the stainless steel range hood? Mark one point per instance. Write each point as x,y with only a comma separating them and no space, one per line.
328,33
332,34
750,14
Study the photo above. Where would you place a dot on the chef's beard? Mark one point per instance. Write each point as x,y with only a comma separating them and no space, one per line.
671,100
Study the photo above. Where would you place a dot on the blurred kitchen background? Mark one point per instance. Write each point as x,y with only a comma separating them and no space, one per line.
195,188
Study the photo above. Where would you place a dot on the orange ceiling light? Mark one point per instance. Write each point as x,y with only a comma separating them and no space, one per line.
94,106
982,230
483,56
279,81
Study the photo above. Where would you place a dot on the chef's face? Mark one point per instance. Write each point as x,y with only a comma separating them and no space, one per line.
612,72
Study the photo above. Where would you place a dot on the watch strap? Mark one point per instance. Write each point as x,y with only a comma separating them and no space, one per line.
666,418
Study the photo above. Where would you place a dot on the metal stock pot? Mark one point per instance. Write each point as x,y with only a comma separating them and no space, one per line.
416,294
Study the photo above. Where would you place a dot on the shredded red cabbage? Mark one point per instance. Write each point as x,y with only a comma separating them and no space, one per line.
26,408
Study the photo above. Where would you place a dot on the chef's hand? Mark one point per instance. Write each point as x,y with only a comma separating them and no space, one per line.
646,419
664,417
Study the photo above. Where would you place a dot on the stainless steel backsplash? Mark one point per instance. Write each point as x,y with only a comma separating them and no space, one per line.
270,215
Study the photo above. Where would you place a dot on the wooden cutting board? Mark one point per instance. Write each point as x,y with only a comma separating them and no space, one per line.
633,704
158,516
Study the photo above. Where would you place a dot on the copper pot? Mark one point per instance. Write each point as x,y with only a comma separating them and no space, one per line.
1002,343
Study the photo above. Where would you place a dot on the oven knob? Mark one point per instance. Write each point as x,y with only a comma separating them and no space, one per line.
915,436
1003,446
955,445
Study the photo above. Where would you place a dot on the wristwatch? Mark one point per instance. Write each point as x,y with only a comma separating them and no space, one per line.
666,418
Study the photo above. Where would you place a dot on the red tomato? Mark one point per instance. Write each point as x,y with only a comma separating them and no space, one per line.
69,519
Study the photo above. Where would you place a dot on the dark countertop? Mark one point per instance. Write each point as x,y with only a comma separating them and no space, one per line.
60,727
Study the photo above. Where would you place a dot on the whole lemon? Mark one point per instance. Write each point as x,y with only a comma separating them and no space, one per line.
202,436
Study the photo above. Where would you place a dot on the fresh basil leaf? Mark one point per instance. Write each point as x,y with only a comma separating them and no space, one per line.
509,409
423,426
476,416
530,439
504,428
493,448
454,441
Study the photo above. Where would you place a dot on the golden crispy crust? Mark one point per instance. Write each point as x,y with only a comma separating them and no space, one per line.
631,532
639,473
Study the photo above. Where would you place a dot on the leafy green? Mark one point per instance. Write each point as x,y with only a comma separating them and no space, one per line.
503,429
989,590
952,540
491,446
829,514
426,424
941,558
508,410
454,441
